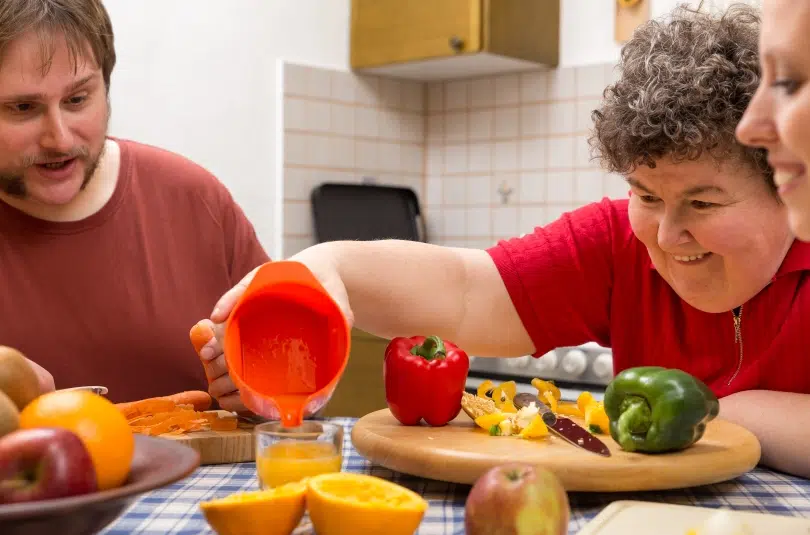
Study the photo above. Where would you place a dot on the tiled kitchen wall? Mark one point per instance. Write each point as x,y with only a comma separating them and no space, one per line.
339,127
489,157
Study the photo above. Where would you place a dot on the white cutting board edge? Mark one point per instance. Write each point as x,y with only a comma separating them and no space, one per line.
625,517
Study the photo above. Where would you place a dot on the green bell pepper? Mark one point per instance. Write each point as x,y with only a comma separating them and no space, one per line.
654,409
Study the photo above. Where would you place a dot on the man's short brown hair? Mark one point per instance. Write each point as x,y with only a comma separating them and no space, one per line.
83,23
685,83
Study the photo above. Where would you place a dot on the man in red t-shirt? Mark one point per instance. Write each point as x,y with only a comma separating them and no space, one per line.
697,270
110,250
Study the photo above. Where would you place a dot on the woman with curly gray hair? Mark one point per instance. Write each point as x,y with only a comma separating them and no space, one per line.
697,270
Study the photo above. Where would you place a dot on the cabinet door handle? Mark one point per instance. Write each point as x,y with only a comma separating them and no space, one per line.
456,43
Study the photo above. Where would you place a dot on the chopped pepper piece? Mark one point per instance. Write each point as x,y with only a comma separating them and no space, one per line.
536,428
655,409
568,408
546,386
503,395
596,418
488,420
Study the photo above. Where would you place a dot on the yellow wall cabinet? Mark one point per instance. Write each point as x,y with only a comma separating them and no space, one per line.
444,39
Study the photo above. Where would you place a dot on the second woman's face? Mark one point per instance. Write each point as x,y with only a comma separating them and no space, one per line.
778,117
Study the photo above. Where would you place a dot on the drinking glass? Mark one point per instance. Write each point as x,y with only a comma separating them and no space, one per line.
286,454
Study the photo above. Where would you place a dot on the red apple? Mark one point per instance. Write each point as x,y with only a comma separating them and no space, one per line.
44,463
517,499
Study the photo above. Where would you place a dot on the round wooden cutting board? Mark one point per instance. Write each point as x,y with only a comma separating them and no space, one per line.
461,451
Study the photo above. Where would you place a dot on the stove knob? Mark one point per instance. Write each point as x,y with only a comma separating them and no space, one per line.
574,362
603,366
546,362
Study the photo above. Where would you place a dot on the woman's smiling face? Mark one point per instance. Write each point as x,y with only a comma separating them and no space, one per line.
716,234
778,117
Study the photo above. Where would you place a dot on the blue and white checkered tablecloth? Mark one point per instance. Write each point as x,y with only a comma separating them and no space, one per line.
174,510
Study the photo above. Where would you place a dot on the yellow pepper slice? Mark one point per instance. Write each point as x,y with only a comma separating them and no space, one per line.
486,421
596,418
485,387
503,395
569,408
549,399
536,428
546,386
584,399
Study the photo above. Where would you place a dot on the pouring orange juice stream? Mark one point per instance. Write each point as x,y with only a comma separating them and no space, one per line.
286,346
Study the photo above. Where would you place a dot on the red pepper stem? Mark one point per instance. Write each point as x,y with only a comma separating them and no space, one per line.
432,348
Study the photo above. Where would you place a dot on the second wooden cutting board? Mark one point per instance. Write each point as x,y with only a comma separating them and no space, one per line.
221,447
460,452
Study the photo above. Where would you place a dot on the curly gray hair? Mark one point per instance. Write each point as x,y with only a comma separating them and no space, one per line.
685,83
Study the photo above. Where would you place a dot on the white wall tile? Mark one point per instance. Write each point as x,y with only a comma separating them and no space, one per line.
390,124
319,150
319,83
582,153
456,95
389,156
534,86
454,222
589,186
412,159
298,183
534,120
479,221
434,193
435,97
412,127
533,187
435,129
367,90
481,125
434,165
507,89
505,221
343,87
295,114
530,217
560,153
297,218
507,123
295,149
295,79
366,155
560,187
482,93
480,157
366,122
479,189
319,116
533,153
341,151
342,122
391,93
506,156
455,159
454,190
591,81
584,123
561,118
562,83
615,187
413,96
455,127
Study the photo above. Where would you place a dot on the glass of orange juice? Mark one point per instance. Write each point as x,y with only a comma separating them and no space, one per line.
285,454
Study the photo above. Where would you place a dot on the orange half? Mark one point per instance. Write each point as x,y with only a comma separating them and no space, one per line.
275,511
343,502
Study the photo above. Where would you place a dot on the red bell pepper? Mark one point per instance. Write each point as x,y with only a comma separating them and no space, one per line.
424,378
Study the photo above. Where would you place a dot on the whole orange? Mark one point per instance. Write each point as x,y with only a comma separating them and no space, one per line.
98,422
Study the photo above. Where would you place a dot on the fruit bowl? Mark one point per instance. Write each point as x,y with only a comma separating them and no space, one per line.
157,462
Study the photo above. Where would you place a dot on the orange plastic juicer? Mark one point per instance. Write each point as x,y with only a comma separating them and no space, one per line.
286,343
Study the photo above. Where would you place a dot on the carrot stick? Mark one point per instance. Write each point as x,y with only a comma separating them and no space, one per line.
200,400
200,334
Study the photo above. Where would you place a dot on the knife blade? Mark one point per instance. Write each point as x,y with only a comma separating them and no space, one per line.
563,427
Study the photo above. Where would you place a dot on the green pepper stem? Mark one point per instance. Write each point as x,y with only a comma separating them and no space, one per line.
432,348
634,419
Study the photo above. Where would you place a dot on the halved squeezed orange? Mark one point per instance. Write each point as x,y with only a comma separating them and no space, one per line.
275,511
342,502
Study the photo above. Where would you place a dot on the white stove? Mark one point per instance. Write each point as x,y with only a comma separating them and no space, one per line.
574,369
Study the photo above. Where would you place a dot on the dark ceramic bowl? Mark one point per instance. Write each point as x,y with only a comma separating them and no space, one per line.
157,462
